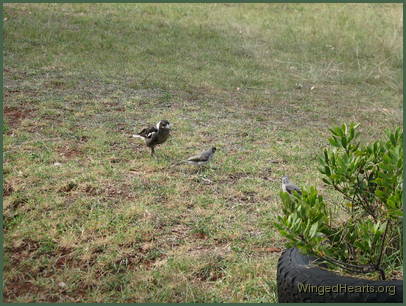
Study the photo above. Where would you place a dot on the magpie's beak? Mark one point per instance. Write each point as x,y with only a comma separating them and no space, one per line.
168,126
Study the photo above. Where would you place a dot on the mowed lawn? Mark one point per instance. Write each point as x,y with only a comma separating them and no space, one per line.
89,216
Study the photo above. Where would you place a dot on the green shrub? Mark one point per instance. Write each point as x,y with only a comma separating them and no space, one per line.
365,234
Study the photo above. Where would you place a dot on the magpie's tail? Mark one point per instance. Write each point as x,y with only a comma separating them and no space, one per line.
138,136
179,163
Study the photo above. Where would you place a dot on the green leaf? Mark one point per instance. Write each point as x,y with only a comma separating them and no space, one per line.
313,230
333,142
344,142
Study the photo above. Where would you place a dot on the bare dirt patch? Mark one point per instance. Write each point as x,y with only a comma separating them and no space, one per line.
244,197
122,191
14,115
268,250
16,287
146,255
22,250
16,203
8,189
235,177
68,187
65,258
115,106
19,286
69,152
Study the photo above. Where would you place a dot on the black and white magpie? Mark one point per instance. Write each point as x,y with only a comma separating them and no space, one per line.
289,187
155,135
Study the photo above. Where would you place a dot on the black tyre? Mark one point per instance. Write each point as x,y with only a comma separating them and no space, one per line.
299,281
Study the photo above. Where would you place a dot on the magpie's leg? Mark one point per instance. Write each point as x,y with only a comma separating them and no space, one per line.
152,151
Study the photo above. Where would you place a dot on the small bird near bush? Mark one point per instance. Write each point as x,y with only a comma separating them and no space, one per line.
288,186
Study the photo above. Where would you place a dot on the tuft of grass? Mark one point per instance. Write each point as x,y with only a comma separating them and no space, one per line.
90,217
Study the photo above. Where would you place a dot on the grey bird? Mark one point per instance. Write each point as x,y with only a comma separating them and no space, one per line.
289,187
203,158
155,135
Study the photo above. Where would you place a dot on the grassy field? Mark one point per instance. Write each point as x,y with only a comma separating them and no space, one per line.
89,216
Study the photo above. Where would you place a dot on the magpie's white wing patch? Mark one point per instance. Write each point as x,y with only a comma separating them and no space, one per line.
150,134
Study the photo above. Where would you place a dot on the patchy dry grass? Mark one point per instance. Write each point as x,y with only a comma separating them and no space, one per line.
90,217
